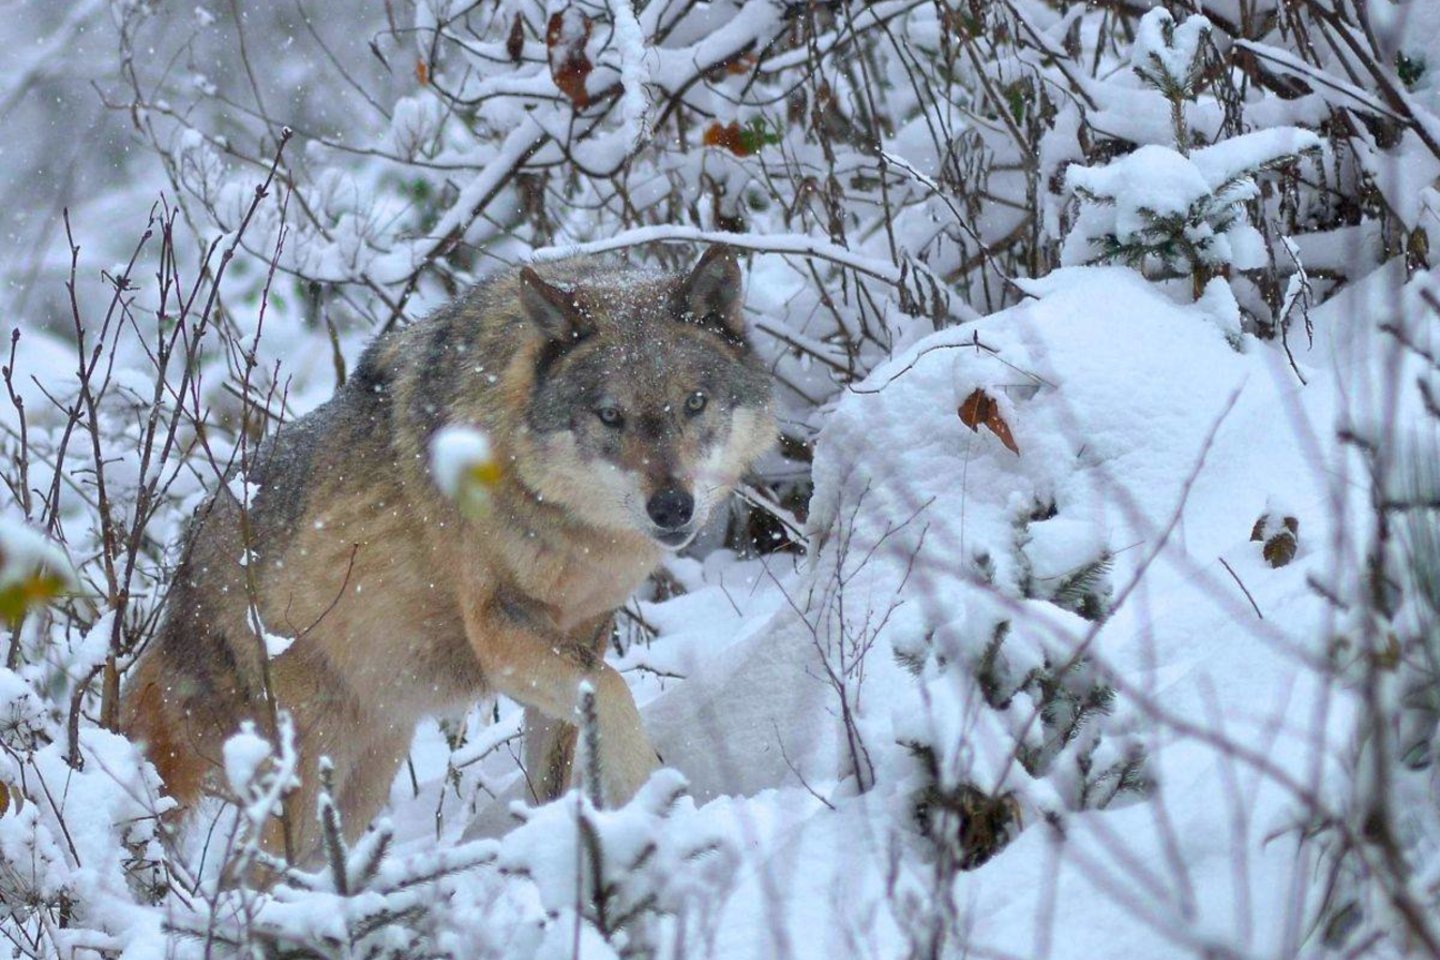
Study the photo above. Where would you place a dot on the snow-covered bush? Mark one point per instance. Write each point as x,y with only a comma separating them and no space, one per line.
984,660
1169,215
1174,211
642,877
357,904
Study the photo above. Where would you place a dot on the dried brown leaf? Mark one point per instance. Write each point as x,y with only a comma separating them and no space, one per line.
728,136
565,37
1280,540
741,65
10,795
1280,549
980,409
515,45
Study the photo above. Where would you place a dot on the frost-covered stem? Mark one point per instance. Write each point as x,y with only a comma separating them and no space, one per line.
839,679
1182,134
335,849
89,399
593,862
261,795
634,100
590,779
368,865
247,537
1302,295
20,487
72,723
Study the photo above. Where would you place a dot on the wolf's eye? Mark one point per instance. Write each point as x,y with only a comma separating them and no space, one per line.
695,403
611,416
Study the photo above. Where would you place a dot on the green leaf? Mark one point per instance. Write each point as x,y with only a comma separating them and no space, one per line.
37,589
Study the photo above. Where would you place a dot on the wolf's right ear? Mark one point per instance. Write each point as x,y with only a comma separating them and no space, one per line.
555,311
712,297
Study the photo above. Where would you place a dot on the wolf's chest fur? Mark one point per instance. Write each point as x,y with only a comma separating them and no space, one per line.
579,577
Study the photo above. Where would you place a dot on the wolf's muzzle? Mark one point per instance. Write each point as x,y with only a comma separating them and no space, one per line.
671,508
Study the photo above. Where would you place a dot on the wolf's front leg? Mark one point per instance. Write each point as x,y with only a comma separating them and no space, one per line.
626,757
525,656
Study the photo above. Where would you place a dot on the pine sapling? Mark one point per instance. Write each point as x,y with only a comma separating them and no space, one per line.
1178,212
1171,59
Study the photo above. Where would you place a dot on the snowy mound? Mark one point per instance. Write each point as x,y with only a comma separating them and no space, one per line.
1148,448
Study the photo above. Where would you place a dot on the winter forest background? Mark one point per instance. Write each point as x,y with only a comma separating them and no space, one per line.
1089,605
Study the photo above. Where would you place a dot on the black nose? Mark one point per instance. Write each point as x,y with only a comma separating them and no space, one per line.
671,509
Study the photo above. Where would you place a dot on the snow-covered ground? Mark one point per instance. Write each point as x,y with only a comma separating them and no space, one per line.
1105,345
1160,444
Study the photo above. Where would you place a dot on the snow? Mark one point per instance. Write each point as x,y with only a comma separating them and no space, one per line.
95,647
1239,156
634,72
244,753
244,491
1061,546
1137,390
276,644
1147,425
25,551
1173,56
455,452
1218,302
1152,179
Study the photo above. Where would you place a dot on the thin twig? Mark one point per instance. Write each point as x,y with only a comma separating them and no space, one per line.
1241,585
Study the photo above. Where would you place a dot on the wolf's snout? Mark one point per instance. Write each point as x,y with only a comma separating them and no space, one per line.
671,508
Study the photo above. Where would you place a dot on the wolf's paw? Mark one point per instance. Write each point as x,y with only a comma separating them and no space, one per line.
624,768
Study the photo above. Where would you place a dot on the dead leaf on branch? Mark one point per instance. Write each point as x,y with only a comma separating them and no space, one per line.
980,409
727,136
969,822
10,795
566,35
1281,538
742,65
743,140
515,45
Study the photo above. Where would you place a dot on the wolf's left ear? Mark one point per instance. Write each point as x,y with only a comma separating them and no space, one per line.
711,295
553,310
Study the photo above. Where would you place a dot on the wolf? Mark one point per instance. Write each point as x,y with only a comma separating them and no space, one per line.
621,406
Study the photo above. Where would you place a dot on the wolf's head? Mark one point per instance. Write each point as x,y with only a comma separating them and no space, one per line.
648,403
